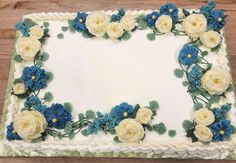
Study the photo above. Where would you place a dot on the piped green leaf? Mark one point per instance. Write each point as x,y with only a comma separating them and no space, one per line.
46,24
18,58
151,36
198,106
171,133
160,128
187,124
44,56
116,139
230,88
68,127
48,97
60,36
86,34
178,73
90,114
68,106
85,132
126,36
49,76
17,80
153,105
64,28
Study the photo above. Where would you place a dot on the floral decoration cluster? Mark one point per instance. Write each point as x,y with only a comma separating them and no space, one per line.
206,84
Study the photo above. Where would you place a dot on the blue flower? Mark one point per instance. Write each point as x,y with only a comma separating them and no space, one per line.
32,101
11,134
151,18
171,10
206,10
194,76
220,113
57,116
34,78
23,28
122,111
102,122
118,16
188,55
216,20
221,130
79,22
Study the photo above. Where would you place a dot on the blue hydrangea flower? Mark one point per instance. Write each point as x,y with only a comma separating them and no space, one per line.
206,10
11,134
57,116
171,10
32,101
220,113
34,78
23,28
118,16
221,130
194,76
188,55
151,18
79,22
122,111
216,20
106,122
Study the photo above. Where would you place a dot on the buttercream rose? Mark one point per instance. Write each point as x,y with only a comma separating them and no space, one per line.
129,131
27,48
203,133
215,81
195,25
128,22
114,30
36,32
19,88
210,39
29,125
143,115
204,117
164,23
96,23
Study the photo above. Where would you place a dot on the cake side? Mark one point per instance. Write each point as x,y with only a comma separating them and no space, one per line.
155,149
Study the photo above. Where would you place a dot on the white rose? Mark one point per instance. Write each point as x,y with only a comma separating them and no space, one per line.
210,39
96,22
19,88
27,48
36,32
114,30
129,131
128,22
29,125
215,81
143,115
164,24
203,133
204,117
195,25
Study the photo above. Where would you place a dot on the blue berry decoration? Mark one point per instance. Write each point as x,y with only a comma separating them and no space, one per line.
117,17
171,10
34,78
79,22
122,111
11,134
152,18
57,116
188,55
221,130
216,20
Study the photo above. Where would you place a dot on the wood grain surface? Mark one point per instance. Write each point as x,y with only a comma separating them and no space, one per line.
12,11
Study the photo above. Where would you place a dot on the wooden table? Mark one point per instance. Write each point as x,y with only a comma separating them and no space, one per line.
12,11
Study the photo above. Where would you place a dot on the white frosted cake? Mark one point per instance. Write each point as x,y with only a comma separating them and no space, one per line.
149,84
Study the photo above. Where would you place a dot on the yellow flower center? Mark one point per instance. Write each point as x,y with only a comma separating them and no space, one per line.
194,23
170,10
125,114
219,19
33,77
13,131
27,48
54,120
222,132
80,20
189,55
216,81
153,16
